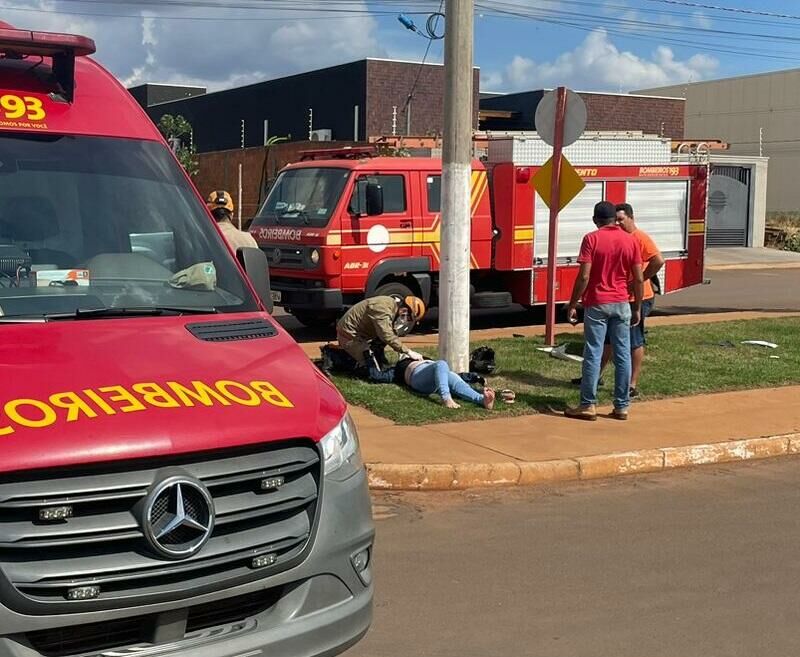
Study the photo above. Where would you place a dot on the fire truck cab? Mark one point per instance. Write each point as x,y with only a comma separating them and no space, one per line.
342,225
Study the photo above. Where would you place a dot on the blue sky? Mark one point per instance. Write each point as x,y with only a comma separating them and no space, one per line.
611,45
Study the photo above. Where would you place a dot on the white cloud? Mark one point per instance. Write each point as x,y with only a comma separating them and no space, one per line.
598,65
490,81
215,54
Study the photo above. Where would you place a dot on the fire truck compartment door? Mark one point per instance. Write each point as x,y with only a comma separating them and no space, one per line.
660,207
574,221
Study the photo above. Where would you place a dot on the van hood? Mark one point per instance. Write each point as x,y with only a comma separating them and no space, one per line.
99,390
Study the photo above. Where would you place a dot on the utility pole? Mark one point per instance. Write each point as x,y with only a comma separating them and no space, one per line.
456,175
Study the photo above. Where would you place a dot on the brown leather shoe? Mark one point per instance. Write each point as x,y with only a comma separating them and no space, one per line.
619,414
581,412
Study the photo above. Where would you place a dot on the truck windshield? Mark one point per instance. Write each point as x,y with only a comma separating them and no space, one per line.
303,197
92,223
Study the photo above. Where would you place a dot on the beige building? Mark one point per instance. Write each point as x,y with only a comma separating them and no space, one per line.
756,115
759,117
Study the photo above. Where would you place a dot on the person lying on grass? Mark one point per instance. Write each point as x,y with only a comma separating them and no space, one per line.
429,376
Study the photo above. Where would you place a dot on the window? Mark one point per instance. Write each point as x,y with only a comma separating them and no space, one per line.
434,193
303,197
91,222
394,192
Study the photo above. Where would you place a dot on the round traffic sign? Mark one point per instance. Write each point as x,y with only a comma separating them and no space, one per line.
574,117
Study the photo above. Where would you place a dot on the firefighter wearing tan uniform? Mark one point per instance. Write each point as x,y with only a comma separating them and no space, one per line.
385,319
221,205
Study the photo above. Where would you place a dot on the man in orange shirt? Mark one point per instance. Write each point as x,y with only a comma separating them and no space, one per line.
652,262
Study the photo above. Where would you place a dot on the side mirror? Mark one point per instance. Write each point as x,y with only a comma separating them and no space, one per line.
374,199
254,262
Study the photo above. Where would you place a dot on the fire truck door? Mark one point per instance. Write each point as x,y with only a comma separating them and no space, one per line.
370,240
428,228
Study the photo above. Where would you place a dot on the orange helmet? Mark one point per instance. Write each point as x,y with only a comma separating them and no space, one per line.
220,199
417,307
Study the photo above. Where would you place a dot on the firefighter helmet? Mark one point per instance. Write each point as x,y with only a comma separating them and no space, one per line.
416,306
220,199
409,311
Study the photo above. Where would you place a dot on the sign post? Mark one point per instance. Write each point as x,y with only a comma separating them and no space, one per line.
555,193
560,120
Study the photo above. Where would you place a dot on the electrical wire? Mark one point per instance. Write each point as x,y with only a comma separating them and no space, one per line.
737,10
431,30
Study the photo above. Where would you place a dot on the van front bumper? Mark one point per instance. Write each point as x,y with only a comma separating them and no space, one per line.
316,609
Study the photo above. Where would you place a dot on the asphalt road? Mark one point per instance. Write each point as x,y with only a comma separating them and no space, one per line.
761,289
703,562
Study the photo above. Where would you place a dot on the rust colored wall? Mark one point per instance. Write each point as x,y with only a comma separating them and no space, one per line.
220,170
389,83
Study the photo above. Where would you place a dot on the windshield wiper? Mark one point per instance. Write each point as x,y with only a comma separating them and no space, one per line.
143,311
302,214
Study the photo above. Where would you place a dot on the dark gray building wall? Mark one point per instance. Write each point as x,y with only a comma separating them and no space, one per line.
332,94
150,94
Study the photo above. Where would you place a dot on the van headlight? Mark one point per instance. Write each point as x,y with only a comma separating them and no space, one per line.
340,450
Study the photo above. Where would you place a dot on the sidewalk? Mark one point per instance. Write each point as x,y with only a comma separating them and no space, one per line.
750,258
538,449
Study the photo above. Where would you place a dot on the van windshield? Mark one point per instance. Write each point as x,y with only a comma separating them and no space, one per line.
93,223
303,197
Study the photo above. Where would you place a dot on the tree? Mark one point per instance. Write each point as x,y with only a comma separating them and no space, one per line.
175,129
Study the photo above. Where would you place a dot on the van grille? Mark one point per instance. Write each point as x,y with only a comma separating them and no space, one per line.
103,543
285,257
137,631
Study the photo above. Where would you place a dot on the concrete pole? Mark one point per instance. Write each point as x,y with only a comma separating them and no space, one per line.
456,175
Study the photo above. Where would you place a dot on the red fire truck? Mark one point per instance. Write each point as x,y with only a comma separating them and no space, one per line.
342,225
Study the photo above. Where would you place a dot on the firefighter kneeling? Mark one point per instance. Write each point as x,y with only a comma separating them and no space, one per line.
379,319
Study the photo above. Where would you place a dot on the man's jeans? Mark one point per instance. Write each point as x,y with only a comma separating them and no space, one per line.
614,319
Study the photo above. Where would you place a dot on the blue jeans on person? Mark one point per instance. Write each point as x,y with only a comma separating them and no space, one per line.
435,376
614,320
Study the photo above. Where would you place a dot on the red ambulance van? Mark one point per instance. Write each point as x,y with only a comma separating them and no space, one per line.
176,478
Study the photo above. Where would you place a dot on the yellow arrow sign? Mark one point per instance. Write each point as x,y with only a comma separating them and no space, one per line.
570,186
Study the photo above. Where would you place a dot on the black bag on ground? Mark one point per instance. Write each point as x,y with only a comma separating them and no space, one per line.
482,361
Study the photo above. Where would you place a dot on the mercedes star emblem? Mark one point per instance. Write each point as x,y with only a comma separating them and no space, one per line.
178,517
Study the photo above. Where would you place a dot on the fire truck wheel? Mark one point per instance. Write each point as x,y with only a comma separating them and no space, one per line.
314,319
394,288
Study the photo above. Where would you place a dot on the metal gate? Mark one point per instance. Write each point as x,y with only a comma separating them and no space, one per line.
728,206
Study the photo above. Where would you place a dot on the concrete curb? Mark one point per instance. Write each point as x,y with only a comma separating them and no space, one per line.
460,476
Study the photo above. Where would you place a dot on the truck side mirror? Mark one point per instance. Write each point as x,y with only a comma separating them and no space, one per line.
374,199
254,262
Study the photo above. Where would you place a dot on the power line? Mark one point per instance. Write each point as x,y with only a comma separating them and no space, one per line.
338,14
632,29
431,30
737,10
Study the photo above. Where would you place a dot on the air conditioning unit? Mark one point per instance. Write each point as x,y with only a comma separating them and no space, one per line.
323,134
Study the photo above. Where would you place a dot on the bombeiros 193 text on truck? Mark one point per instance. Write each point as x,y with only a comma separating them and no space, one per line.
176,477
342,225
